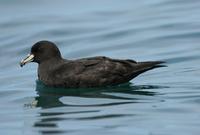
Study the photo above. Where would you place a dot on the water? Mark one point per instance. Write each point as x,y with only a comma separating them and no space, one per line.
159,102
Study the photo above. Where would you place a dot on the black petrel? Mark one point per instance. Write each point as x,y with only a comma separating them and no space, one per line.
98,71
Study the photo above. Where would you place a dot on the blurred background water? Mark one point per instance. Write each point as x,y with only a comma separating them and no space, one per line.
160,102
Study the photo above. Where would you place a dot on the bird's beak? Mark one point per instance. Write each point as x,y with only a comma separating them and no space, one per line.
28,59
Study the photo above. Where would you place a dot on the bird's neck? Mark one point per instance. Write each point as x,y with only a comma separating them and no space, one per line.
48,65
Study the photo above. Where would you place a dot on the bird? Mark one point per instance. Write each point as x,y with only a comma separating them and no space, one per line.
97,71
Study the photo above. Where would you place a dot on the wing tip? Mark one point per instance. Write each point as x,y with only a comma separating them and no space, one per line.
160,64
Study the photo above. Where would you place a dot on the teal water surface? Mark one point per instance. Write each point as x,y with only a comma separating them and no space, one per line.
163,101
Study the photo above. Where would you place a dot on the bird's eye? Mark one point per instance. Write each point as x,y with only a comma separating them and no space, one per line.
40,50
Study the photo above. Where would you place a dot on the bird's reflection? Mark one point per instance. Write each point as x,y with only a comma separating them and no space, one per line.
47,121
49,97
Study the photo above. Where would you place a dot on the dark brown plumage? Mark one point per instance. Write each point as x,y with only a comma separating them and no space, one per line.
99,71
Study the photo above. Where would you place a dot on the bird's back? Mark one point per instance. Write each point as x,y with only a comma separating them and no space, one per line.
96,72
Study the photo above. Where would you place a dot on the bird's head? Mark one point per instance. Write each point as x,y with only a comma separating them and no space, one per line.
41,52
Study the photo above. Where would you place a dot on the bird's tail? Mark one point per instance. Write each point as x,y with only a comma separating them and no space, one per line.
152,64
145,66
